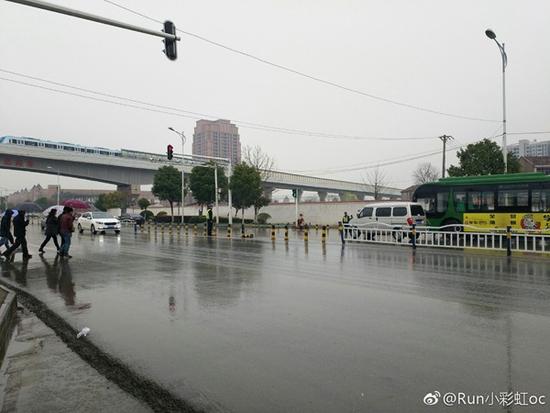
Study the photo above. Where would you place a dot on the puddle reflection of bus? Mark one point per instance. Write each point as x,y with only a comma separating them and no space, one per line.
521,201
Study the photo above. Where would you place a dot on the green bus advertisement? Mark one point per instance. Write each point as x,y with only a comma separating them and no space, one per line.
520,200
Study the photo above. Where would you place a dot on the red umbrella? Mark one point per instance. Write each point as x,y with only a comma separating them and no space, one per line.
76,204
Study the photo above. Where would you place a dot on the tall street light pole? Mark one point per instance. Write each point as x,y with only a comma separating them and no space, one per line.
491,35
50,167
183,139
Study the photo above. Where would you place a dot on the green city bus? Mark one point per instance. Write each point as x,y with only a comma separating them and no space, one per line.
520,200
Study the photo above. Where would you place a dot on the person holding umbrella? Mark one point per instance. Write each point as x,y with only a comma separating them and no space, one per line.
52,227
20,231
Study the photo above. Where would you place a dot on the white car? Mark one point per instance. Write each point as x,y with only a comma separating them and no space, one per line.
97,222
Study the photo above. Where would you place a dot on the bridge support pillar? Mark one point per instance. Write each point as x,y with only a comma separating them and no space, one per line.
130,191
268,192
322,195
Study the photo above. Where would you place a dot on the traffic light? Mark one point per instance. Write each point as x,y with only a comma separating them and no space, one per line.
294,193
170,44
170,152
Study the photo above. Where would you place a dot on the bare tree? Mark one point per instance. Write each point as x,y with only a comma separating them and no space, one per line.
256,157
377,179
424,173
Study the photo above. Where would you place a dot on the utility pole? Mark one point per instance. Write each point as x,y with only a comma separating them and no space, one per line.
444,139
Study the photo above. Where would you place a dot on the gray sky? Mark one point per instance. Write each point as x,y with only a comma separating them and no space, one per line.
432,54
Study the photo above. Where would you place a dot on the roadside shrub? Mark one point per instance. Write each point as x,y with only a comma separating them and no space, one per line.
263,217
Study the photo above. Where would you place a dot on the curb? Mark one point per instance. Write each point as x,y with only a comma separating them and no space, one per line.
151,393
8,317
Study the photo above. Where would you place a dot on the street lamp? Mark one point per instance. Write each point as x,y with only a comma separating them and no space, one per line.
183,139
491,35
50,167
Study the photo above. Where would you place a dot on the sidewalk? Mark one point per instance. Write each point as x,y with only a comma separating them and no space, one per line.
41,374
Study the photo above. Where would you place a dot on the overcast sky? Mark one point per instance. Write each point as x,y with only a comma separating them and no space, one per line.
432,54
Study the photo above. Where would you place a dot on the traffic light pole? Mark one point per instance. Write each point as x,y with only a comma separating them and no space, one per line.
92,17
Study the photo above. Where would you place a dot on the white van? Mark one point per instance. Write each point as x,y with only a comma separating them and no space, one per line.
396,215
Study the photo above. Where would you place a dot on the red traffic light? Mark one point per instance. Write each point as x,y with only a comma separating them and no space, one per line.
170,152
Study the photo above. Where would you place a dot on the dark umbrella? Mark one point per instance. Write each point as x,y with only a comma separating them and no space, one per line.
29,207
76,204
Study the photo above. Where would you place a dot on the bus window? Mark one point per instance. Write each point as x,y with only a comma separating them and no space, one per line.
540,200
488,201
481,201
442,200
513,197
427,202
460,201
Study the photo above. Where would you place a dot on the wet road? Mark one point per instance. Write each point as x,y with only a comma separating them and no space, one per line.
252,326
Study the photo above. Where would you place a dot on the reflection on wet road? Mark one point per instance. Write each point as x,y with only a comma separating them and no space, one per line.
252,326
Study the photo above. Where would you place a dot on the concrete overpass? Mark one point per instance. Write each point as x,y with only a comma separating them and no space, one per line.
128,169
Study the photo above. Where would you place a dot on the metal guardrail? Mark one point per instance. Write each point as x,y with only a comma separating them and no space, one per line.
450,236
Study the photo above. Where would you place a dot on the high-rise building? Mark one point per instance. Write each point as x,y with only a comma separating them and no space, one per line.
528,148
218,138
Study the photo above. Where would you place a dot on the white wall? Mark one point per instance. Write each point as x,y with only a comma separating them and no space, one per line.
314,212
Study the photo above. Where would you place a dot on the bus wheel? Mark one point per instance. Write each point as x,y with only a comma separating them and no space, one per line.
455,225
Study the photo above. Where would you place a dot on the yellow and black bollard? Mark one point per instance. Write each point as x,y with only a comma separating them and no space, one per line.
286,233
228,231
186,229
195,229
306,233
316,227
273,233
324,234
508,241
204,233
162,229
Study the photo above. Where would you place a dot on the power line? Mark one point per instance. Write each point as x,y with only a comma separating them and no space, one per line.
308,76
388,162
186,113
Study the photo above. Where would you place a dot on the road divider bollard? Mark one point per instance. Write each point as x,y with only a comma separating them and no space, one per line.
186,229
306,233
228,231
243,232
273,233
316,227
194,229
508,240
162,229
286,233
324,234
204,233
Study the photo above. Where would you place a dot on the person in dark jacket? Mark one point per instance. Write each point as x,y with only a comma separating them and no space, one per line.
52,227
6,238
66,229
20,231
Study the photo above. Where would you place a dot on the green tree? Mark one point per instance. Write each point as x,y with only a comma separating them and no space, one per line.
110,200
143,203
43,202
202,185
246,186
482,158
167,186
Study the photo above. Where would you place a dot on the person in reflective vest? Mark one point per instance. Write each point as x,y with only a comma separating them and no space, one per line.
345,221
